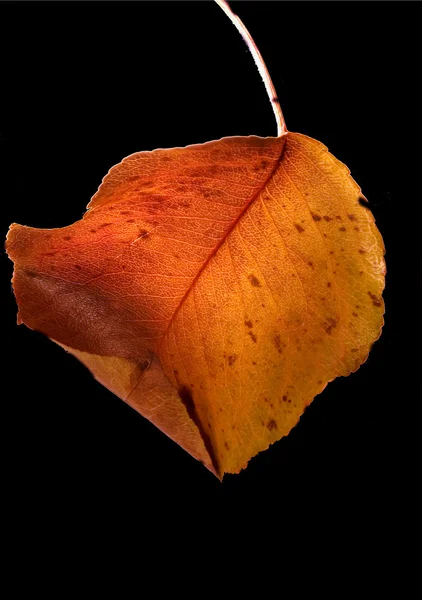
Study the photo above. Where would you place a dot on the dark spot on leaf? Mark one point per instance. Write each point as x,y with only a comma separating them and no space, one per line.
331,251
375,300
338,217
329,325
30,273
355,314
142,233
361,251
275,100
67,237
277,343
253,362
284,398
252,336
342,229
254,281
354,349
93,230
249,324
316,217
232,359
271,425
143,365
327,218
311,264
105,225
226,446
352,217
78,267
328,283
299,227
356,228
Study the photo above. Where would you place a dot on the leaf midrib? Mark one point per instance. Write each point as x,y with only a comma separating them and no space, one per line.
214,251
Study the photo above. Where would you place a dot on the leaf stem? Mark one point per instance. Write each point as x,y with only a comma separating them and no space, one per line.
259,61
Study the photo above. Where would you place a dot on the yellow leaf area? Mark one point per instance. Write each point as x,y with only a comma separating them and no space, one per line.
216,288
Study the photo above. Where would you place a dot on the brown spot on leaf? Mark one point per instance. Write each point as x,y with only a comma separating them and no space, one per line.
254,281
67,237
232,359
252,336
355,350
311,264
352,217
327,218
299,228
361,251
328,283
284,398
249,324
375,301
342,229
226,446
78,267
277,343
355,314
271,425
316,217
329,325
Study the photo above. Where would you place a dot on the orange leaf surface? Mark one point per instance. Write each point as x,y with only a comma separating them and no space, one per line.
215,288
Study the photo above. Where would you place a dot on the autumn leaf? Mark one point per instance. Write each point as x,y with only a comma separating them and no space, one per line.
215,288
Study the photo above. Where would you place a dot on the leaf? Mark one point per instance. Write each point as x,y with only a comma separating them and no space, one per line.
215,288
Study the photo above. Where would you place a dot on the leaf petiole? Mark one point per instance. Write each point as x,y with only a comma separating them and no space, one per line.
259,61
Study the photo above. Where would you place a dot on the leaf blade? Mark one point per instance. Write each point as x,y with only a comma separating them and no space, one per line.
267,251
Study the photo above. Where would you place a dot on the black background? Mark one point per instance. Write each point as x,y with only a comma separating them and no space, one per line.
85,84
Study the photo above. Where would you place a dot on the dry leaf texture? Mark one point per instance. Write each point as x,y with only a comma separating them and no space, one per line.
216,288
